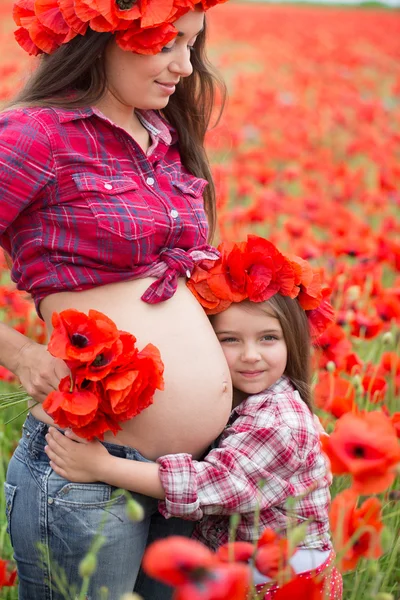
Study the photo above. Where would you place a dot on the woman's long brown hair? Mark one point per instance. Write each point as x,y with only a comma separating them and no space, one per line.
78,67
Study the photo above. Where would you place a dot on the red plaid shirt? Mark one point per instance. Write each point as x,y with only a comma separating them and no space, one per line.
82,205
270,436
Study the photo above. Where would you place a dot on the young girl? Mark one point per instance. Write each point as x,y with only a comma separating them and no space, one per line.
271,434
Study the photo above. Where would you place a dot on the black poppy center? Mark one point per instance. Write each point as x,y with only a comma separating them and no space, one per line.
359,452
100,361
79,340
125,4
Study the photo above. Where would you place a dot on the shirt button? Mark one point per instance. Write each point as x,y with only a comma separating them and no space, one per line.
50,501
174,214
150,181
108,186
188,274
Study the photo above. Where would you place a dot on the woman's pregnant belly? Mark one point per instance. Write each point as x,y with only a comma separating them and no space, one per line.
196,402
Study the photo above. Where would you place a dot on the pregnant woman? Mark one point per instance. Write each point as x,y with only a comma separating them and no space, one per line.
106,201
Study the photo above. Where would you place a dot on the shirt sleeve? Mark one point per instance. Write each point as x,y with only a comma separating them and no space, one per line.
227,480
26,164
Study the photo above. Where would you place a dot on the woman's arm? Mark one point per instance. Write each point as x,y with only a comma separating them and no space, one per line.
87,462
38,371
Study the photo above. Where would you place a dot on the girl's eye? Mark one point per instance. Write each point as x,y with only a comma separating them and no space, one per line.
167,49
269,338
228,340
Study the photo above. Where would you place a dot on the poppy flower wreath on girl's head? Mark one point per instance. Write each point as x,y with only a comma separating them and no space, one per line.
110,382
142,26
255,270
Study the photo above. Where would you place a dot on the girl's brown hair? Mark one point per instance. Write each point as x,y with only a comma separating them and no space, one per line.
78,67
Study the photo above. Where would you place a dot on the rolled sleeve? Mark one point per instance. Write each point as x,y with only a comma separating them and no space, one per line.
179,480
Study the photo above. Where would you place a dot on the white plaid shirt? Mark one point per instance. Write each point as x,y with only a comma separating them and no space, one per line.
270,436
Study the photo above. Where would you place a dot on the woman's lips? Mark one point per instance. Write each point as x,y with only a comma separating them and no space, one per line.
168,88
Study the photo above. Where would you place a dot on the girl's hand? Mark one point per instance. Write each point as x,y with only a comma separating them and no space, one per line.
38,371
76,461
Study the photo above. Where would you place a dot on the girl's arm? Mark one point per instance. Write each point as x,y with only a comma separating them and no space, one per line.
87,462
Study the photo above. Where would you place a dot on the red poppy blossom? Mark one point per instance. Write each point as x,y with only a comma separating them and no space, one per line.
346,519
364,445
80,337
8,575
130,391
375,388
334,394
272,555
68,408
195,570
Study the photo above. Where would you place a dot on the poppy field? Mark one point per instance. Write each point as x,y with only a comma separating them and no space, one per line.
306,154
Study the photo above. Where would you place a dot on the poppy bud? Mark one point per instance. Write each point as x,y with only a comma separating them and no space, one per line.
383,596
297,535
387,338
373,568
330,366
386,540
357,382
134,510
88,565
131,597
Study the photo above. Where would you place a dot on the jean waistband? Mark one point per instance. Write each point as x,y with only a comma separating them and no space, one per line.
35,429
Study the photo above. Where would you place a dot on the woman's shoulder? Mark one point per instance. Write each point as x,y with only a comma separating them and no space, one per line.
28,118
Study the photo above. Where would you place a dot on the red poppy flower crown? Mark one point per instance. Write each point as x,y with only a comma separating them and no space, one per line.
142,26
255,270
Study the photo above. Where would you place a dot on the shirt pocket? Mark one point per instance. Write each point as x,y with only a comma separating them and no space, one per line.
192,189
117,205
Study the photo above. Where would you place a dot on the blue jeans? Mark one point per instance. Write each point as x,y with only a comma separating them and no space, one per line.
52,523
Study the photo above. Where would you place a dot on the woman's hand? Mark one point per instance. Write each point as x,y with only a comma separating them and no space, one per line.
76,461
38,371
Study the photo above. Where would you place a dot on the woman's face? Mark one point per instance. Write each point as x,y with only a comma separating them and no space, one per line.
147,82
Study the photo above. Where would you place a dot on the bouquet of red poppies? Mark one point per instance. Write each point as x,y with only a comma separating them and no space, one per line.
110,382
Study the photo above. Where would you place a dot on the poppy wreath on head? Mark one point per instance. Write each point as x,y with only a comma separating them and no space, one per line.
142,26
111,381
255,270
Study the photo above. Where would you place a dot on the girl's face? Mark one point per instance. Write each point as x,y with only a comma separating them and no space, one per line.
254,346
147,81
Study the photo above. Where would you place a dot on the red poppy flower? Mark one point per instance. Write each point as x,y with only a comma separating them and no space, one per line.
68,408
130,391
235,552
364,445
49,15
334,394
272,555
375,388
7,574
366,326
346,519
24,12
334,346
78,337
395,418
195,570
105,362
98,426
145,41
67,9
